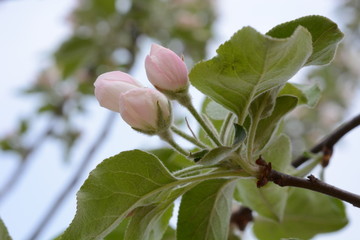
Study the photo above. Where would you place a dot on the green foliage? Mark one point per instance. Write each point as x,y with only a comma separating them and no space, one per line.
325,36
237,76
119,232
270,200
308,95
216,155
119,185
306,214
149,222
171,159
205,211
4,234
267,126
131,195
73,53
240,134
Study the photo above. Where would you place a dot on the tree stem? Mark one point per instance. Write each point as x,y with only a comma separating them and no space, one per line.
331,139
314,184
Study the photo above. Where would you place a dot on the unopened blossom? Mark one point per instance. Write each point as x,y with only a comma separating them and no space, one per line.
166,70
146,110
110,85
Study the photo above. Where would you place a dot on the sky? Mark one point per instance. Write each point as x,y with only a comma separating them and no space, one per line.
32,29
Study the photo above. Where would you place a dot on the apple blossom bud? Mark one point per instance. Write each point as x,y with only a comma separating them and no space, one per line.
146,110
166,70
109,86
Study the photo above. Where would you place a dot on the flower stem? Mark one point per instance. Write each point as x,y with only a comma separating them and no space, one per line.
186,102
188,137
167,137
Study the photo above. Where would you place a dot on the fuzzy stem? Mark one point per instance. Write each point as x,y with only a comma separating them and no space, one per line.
248,167
201,121
167,137
190,170
188,137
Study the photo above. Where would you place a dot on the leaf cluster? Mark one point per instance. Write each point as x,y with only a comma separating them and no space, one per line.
131,195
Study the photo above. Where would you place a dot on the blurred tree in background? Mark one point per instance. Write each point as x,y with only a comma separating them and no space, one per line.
107,35
338,82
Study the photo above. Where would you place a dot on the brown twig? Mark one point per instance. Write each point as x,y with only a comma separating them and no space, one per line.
311,183
77,176
314,184
329,141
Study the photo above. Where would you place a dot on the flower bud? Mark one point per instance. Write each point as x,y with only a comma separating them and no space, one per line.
146,110
110,85
166,70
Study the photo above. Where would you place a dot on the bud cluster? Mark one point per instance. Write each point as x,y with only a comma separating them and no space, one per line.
144,109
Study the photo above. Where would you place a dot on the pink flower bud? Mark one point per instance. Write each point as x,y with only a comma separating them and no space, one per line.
166,70
145,110
110,85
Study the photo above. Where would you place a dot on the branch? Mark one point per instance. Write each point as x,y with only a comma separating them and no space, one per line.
77,176
23,164
329,141
242,217
312,183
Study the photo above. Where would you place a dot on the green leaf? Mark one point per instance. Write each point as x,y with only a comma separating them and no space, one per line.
171,159
306,94
4,234
269,200
197,156
307,213
72,53
267,126
104,8
216,155
325,36
215,111
279,153
205,211
240,134
264,104
149,222
170,234
116,187
248,65
119,232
